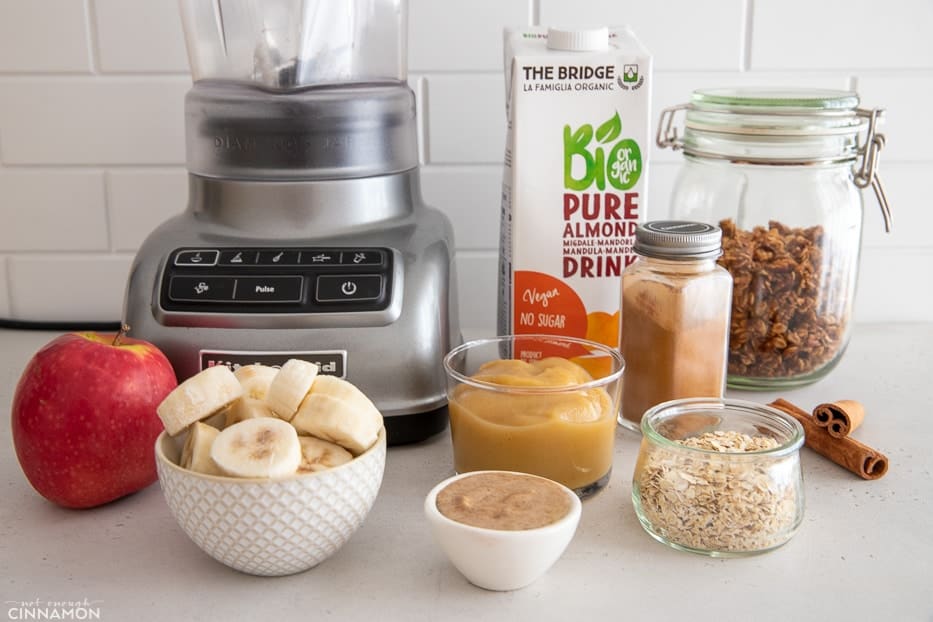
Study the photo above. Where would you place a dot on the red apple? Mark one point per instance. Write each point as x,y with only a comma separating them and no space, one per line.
84,417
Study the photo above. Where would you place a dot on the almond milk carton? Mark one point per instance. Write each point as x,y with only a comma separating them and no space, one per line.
578,107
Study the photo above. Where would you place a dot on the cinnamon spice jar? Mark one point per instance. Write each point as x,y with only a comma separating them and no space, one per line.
675,317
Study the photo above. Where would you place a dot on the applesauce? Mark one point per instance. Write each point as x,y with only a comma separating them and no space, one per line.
546,416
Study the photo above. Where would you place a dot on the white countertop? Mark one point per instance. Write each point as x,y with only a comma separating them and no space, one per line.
864,550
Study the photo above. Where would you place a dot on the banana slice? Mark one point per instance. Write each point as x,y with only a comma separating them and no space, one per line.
337,411
196,453
341,389
199,397
320,455
246,408
290,386
265,447
219,419
255,380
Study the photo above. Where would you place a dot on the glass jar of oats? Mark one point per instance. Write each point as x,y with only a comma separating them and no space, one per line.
781,172
720,477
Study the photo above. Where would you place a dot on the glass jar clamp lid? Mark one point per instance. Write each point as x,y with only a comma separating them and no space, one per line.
781,127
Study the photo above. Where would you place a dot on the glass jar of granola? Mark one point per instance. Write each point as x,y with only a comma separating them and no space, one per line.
781,172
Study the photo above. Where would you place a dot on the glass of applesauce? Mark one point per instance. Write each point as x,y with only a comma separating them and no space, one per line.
539,404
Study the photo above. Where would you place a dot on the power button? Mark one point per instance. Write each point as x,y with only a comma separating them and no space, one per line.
348,287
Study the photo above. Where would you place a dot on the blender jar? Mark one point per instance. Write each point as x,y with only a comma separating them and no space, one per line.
780,172
283,44
298,90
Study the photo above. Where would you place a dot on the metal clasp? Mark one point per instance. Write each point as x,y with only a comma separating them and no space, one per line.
867,173
667,132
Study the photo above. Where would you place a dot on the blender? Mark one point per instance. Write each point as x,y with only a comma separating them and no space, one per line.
305,234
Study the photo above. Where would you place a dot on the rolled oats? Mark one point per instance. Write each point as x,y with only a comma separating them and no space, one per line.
714,502
783,320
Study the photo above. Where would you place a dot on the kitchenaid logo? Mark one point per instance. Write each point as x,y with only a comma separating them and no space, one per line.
229,142
330,362
39,609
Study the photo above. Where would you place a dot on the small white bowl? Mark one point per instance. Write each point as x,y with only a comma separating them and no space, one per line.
271,527
501,560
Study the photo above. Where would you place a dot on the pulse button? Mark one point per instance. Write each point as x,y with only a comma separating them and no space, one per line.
268,289
348,287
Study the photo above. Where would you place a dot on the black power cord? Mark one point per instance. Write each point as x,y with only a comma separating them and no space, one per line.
63,326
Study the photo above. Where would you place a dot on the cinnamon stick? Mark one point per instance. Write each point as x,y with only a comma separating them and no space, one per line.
847,452
839,418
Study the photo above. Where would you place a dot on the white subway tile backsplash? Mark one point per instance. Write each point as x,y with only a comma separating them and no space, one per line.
461,36
906,186
140,35
57,210
92,128
100,121
142,200
43,36
72,288
477,288
471,197
466,118
661,176
5,312
893,286
906,99
841,34
680,34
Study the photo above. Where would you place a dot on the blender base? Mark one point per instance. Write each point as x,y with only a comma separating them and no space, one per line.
414,428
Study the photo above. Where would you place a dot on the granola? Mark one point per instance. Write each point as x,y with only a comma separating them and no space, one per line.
713,502
786,321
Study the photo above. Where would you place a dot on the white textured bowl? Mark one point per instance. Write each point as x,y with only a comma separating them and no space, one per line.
496,559
271,527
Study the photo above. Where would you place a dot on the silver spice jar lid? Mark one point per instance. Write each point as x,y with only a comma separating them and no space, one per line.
678,240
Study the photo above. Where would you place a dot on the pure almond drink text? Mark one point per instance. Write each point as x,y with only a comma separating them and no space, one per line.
578,106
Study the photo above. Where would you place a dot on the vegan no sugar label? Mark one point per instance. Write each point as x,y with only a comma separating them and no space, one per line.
578,106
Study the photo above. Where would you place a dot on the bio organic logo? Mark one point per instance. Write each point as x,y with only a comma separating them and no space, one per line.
619,163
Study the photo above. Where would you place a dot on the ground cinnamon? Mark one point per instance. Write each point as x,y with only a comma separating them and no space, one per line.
675,322
839,418
847,452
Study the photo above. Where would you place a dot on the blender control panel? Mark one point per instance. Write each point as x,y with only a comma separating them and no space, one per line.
277,280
